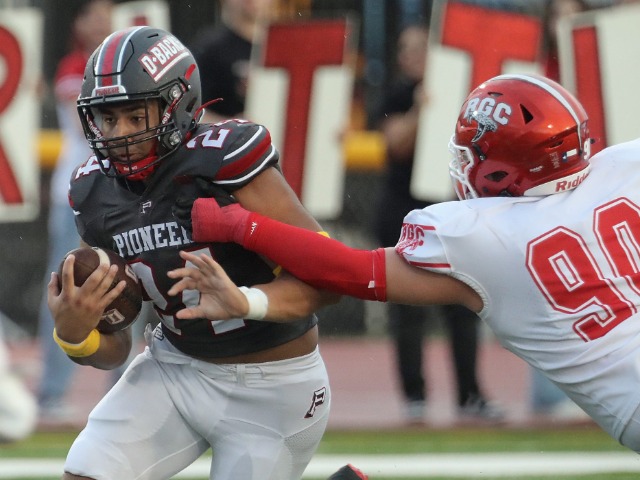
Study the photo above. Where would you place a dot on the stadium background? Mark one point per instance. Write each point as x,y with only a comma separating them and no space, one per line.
368,397
24,244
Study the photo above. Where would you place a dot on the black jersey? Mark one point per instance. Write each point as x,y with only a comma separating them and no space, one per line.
141,228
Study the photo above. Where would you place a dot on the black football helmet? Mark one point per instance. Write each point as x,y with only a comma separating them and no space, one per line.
140,64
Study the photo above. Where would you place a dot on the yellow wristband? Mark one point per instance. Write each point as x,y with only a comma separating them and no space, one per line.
87,347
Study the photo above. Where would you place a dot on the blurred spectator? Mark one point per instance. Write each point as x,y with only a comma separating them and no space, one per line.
553,11
18,408
223,53
398,122
91,24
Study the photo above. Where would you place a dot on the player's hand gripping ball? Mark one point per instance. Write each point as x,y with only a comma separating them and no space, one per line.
124,310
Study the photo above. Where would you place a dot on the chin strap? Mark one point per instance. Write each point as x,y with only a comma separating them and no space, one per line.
146,171
148,166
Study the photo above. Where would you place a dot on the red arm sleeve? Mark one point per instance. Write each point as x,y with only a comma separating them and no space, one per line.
317,260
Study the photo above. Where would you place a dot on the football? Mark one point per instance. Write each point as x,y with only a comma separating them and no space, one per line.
124,310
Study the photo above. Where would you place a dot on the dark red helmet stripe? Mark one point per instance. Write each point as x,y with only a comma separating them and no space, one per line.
110,56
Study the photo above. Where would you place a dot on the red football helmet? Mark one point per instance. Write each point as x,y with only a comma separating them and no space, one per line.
519,135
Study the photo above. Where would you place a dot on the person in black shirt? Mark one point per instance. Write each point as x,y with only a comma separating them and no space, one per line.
398,122
223,53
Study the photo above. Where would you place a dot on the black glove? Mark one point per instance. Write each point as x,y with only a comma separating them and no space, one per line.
197,187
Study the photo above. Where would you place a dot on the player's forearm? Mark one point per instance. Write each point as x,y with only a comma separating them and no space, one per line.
291,299
317,260
311,257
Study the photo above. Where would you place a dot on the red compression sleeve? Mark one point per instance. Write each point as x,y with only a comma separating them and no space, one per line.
318,260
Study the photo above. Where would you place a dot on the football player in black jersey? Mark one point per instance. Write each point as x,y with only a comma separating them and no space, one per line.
256,392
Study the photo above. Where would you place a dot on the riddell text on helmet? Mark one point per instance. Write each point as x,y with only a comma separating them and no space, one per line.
565,184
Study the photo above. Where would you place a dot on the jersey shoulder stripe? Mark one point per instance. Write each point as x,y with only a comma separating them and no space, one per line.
250,153
245,155
265,161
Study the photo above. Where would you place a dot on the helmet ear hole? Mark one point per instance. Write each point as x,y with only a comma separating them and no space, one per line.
191,105
526,114
496,176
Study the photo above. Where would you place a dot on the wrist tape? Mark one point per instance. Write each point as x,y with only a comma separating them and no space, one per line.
87,347
258,303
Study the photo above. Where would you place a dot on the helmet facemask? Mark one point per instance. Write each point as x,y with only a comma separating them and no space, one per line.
159,128
462,161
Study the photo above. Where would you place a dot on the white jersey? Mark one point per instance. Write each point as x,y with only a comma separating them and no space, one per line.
559,277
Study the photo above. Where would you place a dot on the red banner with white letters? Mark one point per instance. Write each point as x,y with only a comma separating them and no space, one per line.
300,88
20,54
468,45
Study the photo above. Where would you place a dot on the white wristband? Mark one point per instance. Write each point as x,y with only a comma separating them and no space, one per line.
258,303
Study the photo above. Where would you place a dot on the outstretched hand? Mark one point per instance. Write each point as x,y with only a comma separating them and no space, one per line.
212,223
220,298
193,189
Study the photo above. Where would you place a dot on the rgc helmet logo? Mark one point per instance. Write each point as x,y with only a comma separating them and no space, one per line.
487,113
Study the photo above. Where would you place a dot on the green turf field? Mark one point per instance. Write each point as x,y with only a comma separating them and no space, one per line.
462,444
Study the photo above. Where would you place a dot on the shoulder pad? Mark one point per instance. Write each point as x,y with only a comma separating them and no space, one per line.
246,150
82,181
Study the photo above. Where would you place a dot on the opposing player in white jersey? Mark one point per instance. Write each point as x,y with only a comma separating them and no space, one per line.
544,245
